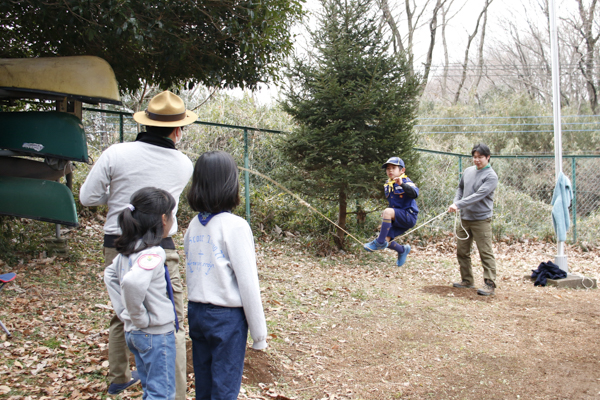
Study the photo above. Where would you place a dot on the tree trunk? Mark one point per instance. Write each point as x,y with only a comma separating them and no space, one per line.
413,14
432,31
361,215
480,57
587,63
466,60
445,9
445,19
343,203
387,16
105,140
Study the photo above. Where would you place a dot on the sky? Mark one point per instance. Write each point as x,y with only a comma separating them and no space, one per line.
457,31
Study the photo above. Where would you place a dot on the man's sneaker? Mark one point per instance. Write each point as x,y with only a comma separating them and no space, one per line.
463,285
375,245
488,289
402,257
116,388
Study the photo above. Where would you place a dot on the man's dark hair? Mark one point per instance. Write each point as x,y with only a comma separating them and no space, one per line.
162,131
215,185
482,149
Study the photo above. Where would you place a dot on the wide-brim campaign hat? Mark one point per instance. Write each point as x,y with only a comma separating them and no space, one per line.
165,109
394,161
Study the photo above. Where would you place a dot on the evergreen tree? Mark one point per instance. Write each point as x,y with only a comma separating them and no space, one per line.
354,102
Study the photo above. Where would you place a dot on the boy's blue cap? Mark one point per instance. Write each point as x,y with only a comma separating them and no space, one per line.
394,161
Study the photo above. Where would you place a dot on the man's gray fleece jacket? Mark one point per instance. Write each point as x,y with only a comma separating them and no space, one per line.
475,194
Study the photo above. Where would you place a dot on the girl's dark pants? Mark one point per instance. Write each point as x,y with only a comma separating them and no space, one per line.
219,336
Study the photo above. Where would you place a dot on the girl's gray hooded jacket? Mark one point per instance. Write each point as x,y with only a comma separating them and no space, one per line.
138,291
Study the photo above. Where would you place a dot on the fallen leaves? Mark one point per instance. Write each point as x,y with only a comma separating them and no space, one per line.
342,326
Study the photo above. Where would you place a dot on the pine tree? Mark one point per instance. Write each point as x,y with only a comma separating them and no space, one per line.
354,102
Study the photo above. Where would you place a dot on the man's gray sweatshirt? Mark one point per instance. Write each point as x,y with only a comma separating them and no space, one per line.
124,168
475,194
138,291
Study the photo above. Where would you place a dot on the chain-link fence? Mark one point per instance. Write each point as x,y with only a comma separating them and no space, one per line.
106,127
522,206
523,198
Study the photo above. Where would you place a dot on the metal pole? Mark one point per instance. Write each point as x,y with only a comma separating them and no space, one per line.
459,168
246,175
574,203
561,258
121,136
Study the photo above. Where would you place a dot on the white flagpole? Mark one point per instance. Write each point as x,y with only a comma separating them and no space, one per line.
561,258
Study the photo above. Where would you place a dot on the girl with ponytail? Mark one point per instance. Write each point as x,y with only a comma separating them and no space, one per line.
139,286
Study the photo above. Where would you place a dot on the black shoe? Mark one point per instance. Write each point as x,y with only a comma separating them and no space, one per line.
116,388
463,285
488,289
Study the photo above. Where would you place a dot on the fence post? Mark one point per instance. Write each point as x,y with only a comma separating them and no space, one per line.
121,135
246,176
574,203
459,167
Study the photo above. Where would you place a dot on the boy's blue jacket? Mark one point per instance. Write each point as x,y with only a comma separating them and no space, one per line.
397,198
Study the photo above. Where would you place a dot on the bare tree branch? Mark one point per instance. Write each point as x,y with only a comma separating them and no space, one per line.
466,59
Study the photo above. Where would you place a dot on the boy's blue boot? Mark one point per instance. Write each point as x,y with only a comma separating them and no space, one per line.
402,257
116,388
375,245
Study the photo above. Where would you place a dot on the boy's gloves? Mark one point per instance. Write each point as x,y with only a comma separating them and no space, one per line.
409,190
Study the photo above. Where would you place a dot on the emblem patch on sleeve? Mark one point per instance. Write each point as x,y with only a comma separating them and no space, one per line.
149,261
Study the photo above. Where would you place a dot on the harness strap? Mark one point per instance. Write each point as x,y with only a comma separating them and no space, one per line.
170,292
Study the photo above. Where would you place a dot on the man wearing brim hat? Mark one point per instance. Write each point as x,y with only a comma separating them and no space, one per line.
122,169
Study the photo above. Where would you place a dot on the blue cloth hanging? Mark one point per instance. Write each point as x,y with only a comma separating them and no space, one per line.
561,200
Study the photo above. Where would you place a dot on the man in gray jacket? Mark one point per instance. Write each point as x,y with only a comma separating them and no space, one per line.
475,200
122,169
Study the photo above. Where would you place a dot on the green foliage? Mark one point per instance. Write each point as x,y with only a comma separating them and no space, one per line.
216,43
354,103
521,207
517,214
22,238
588,229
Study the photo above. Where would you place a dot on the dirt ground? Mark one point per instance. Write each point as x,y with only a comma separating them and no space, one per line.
345,326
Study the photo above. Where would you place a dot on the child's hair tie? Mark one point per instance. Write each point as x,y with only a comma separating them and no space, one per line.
130,206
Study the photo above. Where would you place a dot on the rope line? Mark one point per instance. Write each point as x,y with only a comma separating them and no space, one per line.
304,203
423,224
583,278
461,225
300,200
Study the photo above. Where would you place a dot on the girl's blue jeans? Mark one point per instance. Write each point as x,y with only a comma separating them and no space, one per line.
155,362
219,336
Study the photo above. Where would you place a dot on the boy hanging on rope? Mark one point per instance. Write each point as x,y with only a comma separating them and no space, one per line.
402,213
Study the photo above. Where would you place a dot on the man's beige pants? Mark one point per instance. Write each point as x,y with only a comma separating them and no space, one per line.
481,231
118,352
